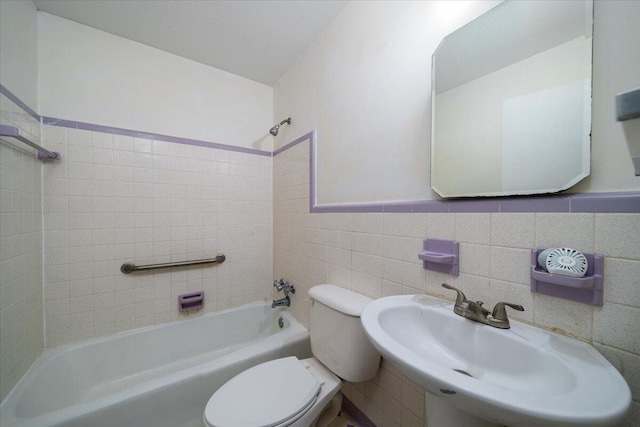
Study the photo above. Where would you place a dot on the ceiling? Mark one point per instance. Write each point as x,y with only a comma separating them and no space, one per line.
258,40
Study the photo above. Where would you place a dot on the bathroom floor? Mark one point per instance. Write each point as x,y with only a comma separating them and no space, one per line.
343,420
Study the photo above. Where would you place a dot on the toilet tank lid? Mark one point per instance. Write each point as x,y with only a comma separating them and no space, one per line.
340,299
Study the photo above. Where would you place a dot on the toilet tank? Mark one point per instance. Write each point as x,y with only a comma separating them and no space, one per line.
337,336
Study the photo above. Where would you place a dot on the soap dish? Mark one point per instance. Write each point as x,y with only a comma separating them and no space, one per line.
587,289
440,255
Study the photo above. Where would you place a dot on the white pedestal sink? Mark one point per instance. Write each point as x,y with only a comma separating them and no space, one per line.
522,376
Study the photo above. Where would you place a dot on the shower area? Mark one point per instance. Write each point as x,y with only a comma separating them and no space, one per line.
69,225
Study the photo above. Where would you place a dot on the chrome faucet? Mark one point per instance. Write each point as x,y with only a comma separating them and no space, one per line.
281,285
473,310
286,301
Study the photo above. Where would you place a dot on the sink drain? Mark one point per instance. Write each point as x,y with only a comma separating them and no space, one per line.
464,372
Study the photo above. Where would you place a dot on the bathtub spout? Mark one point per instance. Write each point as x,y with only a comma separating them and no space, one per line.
286,301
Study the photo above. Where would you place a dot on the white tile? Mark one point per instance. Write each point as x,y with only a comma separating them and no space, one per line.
441,226
473,227
142,145
515,294
618,235
569,230
366,285
393,247
413,399
564,316
102,140
616,325
392,270
414,276
392,224
622,281
101,156
411,247
122,142
57,308
434,284
476,288
57,325
80,321
628,364
475,259
515,230
511,265
414,225
102,172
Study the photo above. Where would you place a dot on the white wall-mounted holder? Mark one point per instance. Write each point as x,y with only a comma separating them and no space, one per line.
628,108
587,289
441,256
628,105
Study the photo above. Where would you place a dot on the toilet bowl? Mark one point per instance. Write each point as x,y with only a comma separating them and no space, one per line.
302,393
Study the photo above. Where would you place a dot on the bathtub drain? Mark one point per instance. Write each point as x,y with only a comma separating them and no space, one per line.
280,322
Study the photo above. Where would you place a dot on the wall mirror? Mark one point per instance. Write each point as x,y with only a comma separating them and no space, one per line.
511,98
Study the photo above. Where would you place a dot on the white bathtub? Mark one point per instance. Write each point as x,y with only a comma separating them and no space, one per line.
160,376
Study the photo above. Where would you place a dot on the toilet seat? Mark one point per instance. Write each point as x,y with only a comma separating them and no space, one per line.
272,394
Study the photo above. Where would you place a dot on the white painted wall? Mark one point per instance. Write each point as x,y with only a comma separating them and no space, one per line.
365,86
18,50
92,76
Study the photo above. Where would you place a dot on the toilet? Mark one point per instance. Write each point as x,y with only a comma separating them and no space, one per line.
302,393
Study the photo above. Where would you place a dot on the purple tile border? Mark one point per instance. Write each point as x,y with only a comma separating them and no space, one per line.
311,135
147,135
51,121
312,166
541,204
616,202
358,416
430,206
480,205
606,202
6,92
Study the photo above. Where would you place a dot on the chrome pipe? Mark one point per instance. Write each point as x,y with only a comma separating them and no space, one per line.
129,267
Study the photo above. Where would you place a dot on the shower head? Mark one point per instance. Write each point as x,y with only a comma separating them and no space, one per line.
274,130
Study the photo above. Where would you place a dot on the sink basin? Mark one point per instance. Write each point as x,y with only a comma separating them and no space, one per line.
522,376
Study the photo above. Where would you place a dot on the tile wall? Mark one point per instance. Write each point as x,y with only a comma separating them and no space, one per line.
113,199
377,255
21,328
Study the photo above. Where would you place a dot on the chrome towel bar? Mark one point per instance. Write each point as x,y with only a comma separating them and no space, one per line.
14,132
128,267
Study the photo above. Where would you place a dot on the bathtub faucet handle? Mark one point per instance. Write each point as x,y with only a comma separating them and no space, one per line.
281,285
287,288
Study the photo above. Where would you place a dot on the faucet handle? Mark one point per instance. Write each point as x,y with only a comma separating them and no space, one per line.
287,288
278,284
460,298
500,311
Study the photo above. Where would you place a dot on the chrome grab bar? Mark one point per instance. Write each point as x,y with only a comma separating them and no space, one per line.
129,267
14,132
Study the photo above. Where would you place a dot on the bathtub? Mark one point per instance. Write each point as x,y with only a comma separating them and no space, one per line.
160,376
